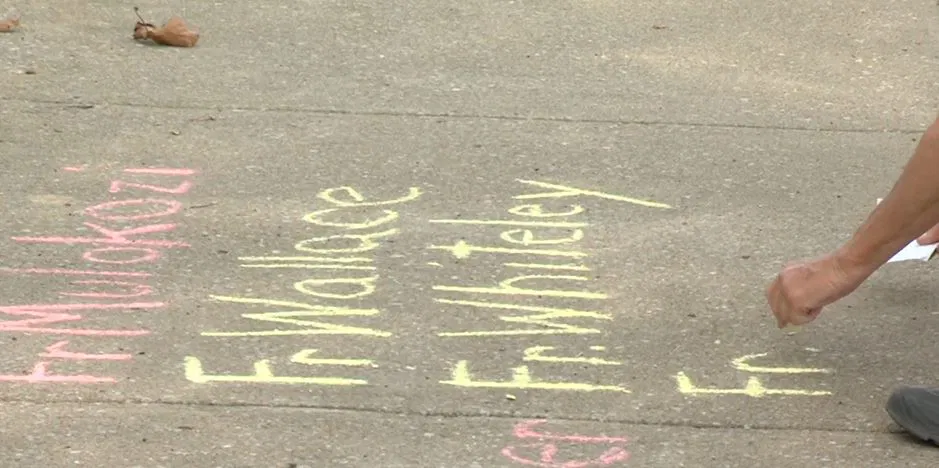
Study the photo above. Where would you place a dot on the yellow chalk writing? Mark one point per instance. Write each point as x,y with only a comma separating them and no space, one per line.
327,195
741,364
528,237
499,222
535,211
310,266
262,374
521,380
463,250
546,318
365,242
536,353
754,388
314,218
548,266
564,191
334,263
306,357
300,309
308,259
367,286
507,287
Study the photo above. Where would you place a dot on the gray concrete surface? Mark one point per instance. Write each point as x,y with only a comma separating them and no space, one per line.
332,201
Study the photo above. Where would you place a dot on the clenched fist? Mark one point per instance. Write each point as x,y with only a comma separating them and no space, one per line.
801,290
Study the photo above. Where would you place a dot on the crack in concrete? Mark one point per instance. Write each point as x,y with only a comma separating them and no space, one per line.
414,114
500,415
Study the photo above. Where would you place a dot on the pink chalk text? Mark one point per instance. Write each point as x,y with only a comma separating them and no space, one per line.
139,290
112,246
67,272
40,374
546,444
57,351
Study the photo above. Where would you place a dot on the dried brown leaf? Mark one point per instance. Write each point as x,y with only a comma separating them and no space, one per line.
174,33
10,23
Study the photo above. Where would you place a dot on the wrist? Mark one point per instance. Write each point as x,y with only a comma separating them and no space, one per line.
856,265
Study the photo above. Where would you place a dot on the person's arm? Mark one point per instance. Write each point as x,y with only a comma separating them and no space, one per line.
911,208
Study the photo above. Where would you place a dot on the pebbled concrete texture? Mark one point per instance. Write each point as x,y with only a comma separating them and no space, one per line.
800,64
346,217
182,435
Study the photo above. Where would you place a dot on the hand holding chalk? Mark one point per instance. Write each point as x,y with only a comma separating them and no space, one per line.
801,290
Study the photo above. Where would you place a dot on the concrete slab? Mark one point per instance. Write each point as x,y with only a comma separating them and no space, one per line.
183,435
851,64
378,225
661,290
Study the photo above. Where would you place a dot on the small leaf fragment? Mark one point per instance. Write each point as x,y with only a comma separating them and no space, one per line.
10,23
174,33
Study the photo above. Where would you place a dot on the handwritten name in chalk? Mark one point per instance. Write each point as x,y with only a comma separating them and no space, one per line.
536,353
334,267
115,290
548,445
529,273
58,351
133,290
543,265
754,387
67,272
298,315
463,250
161,171
742,364
264,374
546,318
50,314
112,237
562,191
40,374
326,252
522,379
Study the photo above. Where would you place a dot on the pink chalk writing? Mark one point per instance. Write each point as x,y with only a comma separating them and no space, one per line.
173,207
549,451
57,351
524,430
548,445
161,171
112,237
149,255
67,272
119,185
139,290
90,240
41,374
46,315
125,246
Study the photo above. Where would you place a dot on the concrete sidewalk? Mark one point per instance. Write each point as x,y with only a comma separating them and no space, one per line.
454,235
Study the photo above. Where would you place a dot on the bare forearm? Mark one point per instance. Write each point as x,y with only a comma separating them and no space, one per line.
911,207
